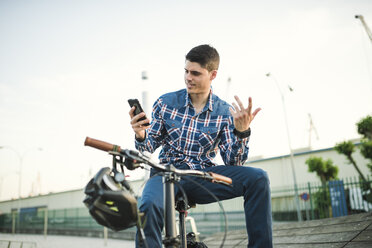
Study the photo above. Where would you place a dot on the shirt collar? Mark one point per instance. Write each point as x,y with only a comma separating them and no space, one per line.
209,101
187,100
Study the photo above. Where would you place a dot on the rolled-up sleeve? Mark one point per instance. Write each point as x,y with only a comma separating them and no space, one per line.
234,150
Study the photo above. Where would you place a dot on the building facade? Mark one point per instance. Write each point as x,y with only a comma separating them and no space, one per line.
278,169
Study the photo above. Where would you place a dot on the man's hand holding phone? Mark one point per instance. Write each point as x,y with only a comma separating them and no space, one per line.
139,121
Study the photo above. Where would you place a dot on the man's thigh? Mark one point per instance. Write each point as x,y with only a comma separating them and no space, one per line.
152,193
243,179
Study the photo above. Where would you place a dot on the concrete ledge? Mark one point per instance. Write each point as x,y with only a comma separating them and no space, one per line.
349,231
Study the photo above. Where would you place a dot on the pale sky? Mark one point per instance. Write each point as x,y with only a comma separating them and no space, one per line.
67,69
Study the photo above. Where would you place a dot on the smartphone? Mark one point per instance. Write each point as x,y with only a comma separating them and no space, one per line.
138,109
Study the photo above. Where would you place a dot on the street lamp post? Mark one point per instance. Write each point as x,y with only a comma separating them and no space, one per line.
20,157
299,216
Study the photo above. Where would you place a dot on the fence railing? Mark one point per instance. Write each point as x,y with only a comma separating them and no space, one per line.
13,243
331,199
334,198
75,222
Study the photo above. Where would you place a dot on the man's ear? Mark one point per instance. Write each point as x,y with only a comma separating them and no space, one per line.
213,74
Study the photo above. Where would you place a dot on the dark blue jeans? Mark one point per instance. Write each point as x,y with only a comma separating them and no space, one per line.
251,183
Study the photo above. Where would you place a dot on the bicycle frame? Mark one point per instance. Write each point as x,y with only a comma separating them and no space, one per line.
170,239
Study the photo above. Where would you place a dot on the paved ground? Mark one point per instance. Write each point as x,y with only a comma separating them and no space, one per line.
354,231
53,241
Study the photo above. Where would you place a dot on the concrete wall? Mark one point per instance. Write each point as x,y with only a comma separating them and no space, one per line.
62,200
54,201
280,172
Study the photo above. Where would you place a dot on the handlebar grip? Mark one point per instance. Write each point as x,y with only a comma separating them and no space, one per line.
218,177
101,145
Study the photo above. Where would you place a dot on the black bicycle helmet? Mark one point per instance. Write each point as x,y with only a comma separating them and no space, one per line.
109,203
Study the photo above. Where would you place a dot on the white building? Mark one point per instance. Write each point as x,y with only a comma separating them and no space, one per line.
278,168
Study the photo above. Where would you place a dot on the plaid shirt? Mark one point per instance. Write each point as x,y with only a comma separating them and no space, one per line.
190,138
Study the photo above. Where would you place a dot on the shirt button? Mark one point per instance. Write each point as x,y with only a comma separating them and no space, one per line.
208,132
173,125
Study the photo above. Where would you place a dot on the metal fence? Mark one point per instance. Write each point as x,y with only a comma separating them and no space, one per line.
13,244
332,199
75,221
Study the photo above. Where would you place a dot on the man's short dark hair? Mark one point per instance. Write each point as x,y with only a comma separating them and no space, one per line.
206,55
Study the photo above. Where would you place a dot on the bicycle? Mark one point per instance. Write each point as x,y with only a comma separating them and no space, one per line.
134,159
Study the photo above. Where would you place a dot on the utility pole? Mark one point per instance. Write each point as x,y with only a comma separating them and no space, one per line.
297,198
20,157
228,86
145,107
369,33
312,128
145,104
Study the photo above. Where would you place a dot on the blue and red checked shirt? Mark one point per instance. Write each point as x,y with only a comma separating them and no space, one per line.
193,138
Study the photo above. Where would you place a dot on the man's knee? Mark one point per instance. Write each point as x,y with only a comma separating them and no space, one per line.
258,181
264,178
150,206
262,184
255,174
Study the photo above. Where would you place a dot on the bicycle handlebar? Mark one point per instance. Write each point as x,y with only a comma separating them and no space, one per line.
220,178
101,145
107,147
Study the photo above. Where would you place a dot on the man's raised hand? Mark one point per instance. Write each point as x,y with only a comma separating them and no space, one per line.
243,116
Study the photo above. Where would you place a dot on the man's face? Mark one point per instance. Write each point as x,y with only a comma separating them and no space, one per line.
198,79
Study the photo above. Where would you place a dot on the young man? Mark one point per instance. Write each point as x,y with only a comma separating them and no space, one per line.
191,125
